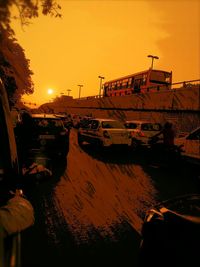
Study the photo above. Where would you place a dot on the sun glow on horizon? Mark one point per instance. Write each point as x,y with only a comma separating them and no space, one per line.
50,91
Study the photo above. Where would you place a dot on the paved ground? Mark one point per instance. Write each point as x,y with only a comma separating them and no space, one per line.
91,212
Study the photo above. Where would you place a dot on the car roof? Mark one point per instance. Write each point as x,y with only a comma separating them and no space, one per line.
45,116
140,121
103,119
60,115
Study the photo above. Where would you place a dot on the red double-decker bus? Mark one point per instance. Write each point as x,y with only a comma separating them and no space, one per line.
145,81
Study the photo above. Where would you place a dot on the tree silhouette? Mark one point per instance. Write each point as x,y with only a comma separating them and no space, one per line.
14,66
27,9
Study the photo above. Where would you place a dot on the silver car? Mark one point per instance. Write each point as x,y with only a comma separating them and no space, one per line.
104,132
142,131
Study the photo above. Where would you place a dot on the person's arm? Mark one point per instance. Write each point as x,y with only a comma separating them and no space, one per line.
17,215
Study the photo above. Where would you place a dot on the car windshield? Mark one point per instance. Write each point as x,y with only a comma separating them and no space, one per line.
151,127
161,77
48,125
85,123
112,124
131,125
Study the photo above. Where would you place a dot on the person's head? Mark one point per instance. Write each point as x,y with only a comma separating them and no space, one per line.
26,117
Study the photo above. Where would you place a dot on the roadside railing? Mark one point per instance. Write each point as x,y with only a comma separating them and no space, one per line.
173,86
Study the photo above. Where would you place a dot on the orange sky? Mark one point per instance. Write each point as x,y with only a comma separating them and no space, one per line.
111,39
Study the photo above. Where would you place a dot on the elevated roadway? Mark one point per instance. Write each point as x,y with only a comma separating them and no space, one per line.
180,105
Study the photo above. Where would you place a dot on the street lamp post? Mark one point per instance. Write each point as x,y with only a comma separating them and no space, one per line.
100,86
152,57
80,85
68,90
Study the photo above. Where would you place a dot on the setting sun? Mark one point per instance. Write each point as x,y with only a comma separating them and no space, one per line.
50,91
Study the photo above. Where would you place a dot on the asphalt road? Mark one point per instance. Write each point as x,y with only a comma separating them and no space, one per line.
91,211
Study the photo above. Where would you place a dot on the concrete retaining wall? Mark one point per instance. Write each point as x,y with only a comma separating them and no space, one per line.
181,106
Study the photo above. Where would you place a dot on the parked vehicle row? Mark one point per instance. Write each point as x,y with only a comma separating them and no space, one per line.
104,132
41,138
52,134
108,132
136,133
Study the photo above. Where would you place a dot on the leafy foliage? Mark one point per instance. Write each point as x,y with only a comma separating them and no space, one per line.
14,66
27,9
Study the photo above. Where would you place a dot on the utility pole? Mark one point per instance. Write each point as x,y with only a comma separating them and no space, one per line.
80,85
68,90
100,85
152,57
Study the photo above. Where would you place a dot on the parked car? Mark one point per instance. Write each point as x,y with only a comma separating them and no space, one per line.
9,168
142,131
50,135
104,132
190,145
67,121
10,180
171,233
85,121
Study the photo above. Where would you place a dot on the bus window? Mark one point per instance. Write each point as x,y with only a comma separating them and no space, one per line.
137,85
114,85
160,77
124,83
144,79
129,82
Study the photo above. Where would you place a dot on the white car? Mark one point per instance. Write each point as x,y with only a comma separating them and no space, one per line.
190,145
142,131
104,132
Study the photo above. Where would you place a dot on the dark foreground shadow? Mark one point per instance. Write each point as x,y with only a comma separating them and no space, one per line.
95,252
